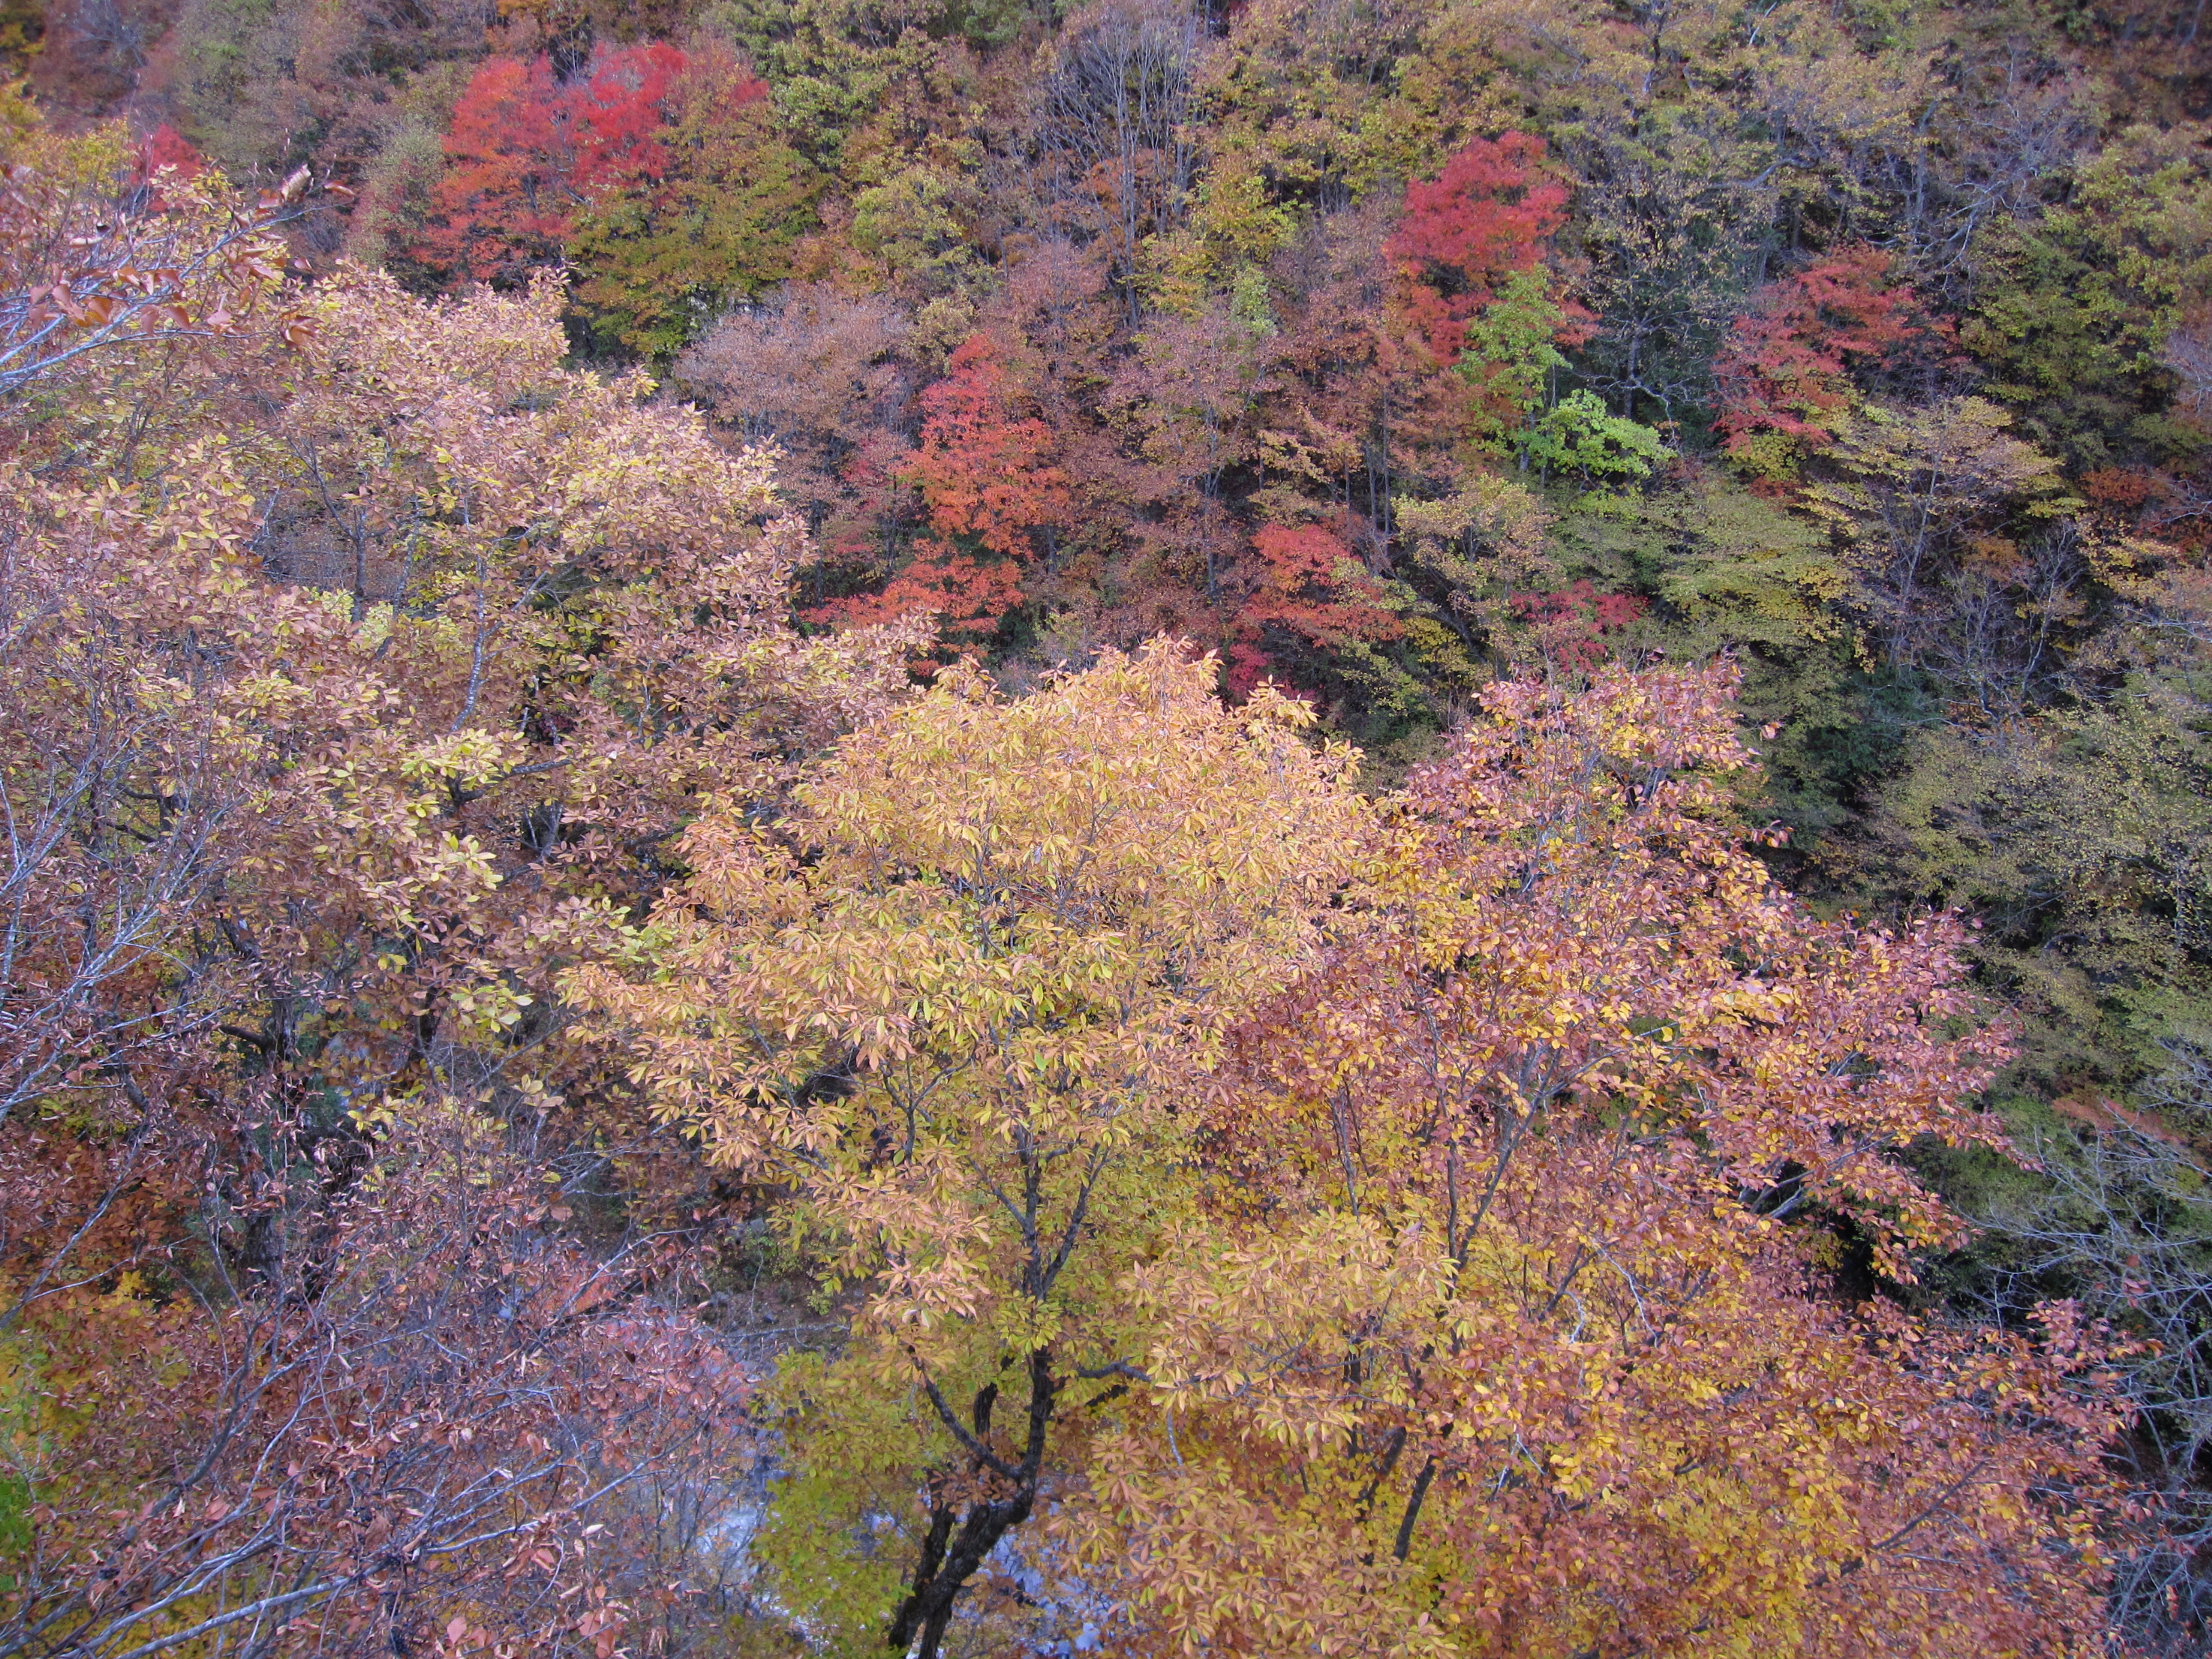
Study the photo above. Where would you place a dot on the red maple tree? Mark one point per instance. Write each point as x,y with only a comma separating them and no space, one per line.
526,150
1312,586
1793,363
1484,216
987,486
1569,627
617,113
165,147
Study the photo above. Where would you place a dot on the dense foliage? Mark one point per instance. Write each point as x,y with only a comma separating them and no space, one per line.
1358,826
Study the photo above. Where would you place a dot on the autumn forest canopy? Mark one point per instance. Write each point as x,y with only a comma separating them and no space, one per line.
976,828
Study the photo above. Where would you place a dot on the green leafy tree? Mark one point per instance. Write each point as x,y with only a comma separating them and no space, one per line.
1917,491
1579,434
2082,837
2077,305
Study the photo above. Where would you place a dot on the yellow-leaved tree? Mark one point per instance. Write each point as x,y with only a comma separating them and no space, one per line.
955,1003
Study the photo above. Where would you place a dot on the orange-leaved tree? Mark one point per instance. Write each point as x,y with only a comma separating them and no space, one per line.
1512,1325
989,484
952,1003
1412,1232
375,697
